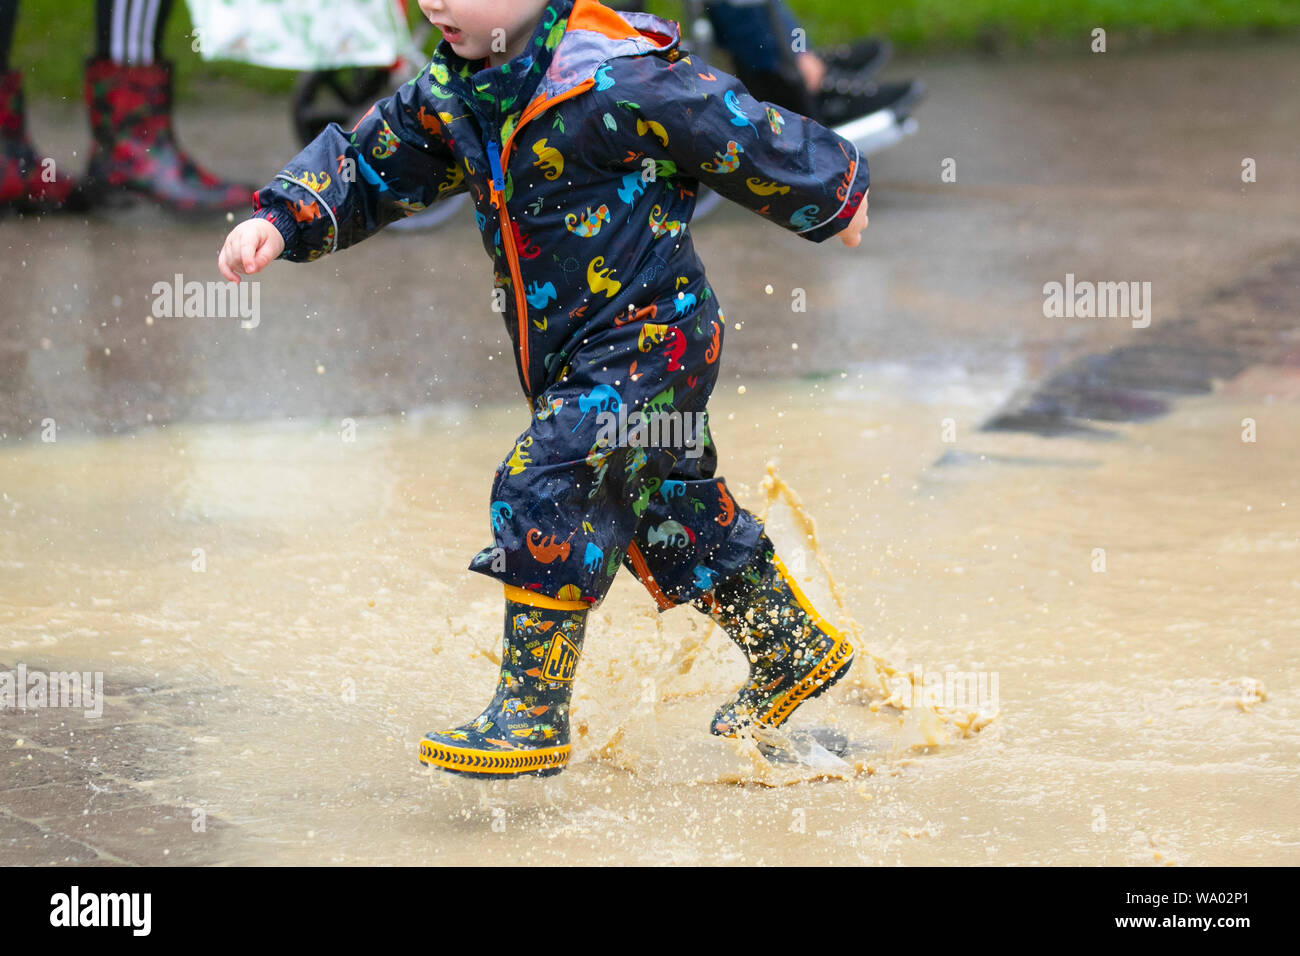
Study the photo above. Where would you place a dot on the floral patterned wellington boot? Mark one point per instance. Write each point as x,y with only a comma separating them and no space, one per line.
525,728
135,149
794,654
27,182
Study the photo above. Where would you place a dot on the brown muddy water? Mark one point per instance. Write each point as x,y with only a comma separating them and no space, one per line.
1131,607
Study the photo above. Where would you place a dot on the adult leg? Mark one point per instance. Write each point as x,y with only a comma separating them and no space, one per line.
758,41
29,182
863,56
129,91
760,35
749,35
130,31
840,79
8,17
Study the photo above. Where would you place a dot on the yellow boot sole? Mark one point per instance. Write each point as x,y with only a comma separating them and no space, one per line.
543,762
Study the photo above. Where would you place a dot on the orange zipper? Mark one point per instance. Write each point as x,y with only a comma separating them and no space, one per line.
507,225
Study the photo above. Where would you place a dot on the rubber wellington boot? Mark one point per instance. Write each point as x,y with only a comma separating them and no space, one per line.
525,727
135,152
28,182
794,654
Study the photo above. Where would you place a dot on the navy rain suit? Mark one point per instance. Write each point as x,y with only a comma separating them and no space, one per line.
584,156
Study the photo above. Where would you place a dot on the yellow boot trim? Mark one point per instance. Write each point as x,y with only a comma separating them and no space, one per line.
533,599
840,654
803,601
500,762
836,659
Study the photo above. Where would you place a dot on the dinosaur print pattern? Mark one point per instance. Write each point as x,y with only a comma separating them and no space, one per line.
727,162
387,143
661,226
549,159
583,157
588,225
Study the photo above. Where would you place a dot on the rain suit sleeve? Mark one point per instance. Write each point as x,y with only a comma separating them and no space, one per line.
782,165
346,186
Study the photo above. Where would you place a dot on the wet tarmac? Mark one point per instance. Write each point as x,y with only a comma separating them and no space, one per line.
965,457
1108,167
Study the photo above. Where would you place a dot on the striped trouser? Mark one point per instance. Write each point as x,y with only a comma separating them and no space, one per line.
127,31
130,31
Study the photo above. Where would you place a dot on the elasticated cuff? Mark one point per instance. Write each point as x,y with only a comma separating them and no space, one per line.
284,222
844,215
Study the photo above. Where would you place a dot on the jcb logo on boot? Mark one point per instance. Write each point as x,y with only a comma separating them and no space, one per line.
561,659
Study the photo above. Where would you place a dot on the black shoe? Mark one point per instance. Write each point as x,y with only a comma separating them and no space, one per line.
859,98
785,87
862,56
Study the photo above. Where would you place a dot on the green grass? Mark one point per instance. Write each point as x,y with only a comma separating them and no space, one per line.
1058,25
53,39
1052,24
52,42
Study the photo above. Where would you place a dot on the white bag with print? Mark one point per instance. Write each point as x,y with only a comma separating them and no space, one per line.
301,34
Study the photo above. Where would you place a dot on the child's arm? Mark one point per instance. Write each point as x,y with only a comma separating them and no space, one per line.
346,186
786,167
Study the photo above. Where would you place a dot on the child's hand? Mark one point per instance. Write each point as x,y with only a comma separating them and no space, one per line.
249,248
853,234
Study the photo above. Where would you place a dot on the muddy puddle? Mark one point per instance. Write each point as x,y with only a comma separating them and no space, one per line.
280,614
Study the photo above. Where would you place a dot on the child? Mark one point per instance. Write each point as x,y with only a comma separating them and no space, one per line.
583,136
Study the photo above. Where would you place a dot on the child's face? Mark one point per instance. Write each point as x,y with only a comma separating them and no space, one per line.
496,29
